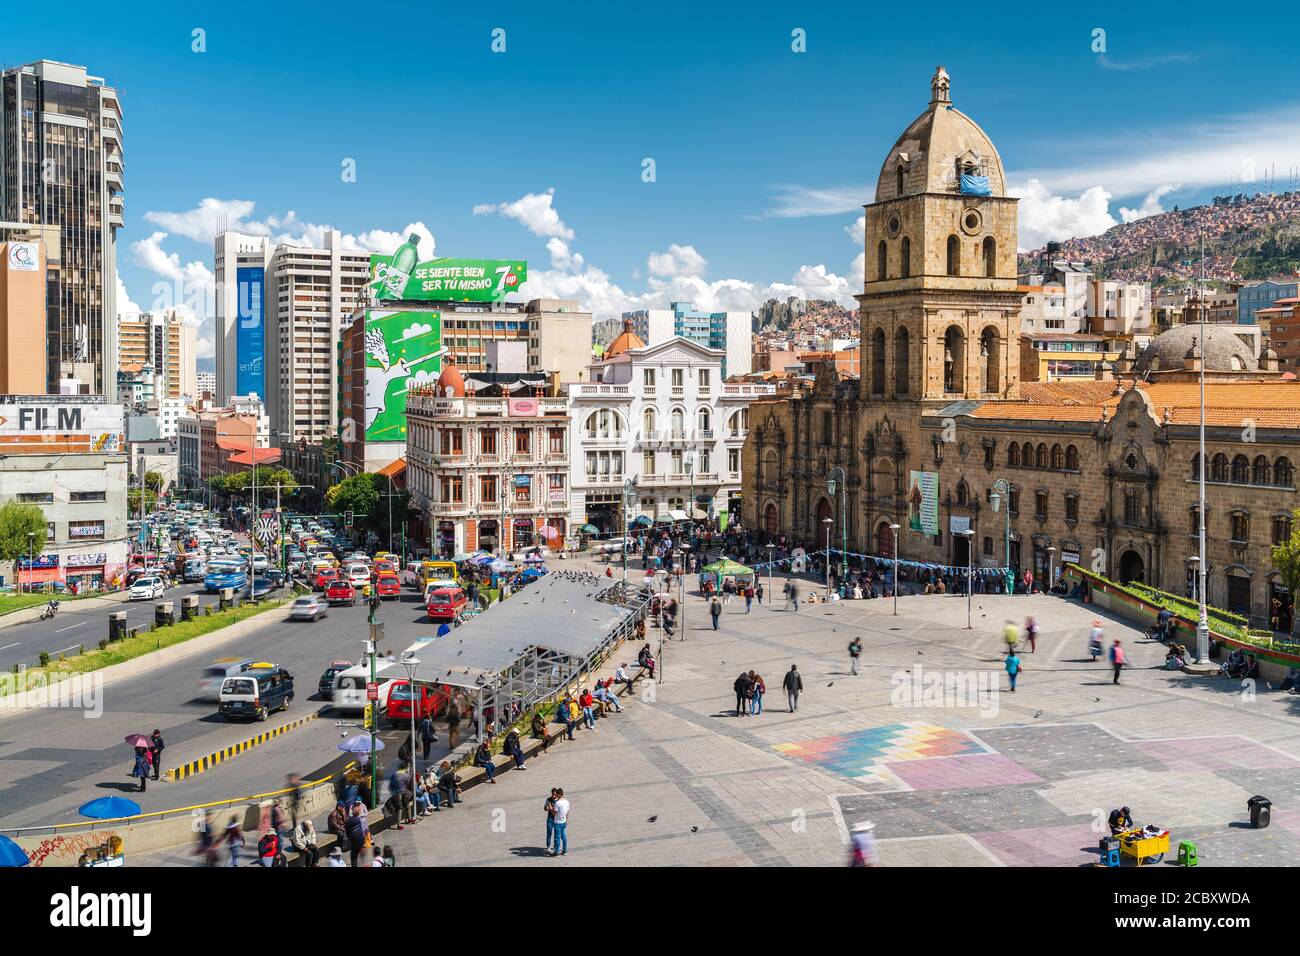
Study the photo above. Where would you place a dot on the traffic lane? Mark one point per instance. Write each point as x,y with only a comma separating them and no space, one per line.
48,752
74,625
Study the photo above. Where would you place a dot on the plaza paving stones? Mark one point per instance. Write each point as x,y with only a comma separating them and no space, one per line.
1007,780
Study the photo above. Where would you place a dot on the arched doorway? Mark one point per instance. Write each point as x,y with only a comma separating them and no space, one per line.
1239,592
1132,567
884,540
819,527
770,519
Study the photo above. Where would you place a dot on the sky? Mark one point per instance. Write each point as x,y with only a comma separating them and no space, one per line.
637,154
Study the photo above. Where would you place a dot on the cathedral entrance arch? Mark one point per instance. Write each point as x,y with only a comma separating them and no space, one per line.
1131,567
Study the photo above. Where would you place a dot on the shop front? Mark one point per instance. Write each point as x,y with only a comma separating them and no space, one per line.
445,539
38,573
489,535
85,572
521,534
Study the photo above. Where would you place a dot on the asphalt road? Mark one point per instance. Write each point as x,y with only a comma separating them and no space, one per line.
54,759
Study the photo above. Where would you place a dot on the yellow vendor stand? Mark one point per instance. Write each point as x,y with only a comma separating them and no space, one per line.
1143,845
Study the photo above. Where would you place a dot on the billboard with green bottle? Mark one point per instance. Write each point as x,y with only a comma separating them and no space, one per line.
402,276
403,349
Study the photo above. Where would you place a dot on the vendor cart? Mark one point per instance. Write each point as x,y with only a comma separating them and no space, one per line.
1144,845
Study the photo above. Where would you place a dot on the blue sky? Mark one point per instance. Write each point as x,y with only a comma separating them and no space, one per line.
761,154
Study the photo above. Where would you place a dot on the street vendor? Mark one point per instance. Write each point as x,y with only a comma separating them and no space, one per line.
1120,820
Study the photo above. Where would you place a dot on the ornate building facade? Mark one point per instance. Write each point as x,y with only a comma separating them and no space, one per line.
1100,472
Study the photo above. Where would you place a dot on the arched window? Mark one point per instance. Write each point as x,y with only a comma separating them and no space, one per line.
954,360
679,423
1261,471
771,467
738,423
1219,467
1013,454
1239,526
1040,457
954,256
990,257
990,359
1058,457
878,362
1282,473
648,423
902,360
1132,507
882,260
963,493
1027,455
1281,528
902,179
706,422
905,265
1196,467
1241,470
1194,520
1071,458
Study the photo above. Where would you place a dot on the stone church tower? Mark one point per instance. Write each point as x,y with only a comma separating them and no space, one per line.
940,310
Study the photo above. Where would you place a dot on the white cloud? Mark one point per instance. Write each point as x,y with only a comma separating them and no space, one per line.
419,328
1150,205
677,261
857,231
205,220
123,299
1045,216
562,257
794,202
535,212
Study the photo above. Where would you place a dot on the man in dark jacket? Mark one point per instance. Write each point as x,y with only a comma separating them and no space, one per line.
742,687
156,746
427,734
793,684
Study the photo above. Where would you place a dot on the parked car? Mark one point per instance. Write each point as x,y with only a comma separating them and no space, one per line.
326,685
341,592
444,604
387,585
432,702
146,589
307,608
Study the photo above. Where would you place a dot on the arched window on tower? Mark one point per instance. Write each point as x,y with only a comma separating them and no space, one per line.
1071,458
902,180
990,359
905,265
990,257
882,260
954,360
954,256
901,361
878,362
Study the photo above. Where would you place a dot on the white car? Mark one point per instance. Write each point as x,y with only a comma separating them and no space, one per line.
146,589
260,562
307,608
358,575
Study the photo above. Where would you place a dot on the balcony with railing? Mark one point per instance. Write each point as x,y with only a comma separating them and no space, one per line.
747,390
596,390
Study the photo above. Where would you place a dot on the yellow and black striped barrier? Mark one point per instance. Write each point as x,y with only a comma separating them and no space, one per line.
202,764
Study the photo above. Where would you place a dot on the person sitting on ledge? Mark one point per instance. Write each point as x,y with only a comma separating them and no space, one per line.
1291,683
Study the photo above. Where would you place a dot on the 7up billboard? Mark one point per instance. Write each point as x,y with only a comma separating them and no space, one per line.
403,349
402,276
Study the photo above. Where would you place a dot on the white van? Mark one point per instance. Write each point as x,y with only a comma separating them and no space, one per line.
350,685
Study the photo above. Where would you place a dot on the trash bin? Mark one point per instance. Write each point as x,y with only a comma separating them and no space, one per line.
1260,811
164,613
189,607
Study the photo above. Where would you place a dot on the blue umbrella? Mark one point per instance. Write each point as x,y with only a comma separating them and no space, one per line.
483,559
11,854
360,744
642,521
109,808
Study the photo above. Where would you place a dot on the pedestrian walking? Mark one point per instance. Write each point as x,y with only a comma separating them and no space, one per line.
715,610
207,840
758,591
1013,669
1094,640
1031,633
453,725
358,830
549,807
561,842
855,651
1117,659
742,687
156,746
794,595
792,684
427,734
234,840
1011,634
756,691
749,597
140,768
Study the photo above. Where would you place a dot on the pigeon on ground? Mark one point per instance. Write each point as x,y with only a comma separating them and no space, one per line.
653,819
695,829
831,684
1037,712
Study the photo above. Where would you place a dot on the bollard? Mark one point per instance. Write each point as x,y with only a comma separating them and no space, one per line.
164,613
189,607
117,625
223,600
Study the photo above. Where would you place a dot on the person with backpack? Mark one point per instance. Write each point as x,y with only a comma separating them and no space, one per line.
792,683
1117,659
855,651
743,687
1013,669
749,597
756,692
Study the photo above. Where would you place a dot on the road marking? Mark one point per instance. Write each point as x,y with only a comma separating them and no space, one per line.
72,647
69,627
7,646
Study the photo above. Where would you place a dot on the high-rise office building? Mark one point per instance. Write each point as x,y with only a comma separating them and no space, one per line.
729,331
164,342
240,265
61,165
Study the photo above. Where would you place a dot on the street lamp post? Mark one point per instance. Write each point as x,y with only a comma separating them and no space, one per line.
771,548
690,477
1002,489
969,535
31,556
629,496
827,522
410,662
1051,567
893,528
837,475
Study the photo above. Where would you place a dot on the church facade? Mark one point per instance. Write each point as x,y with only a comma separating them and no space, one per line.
940,438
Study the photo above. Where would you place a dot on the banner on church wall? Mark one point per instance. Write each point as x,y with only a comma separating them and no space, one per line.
923,502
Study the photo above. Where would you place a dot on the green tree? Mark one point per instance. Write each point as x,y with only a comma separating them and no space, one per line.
153,481
17,521
1286,561
133,501
241,482
358,494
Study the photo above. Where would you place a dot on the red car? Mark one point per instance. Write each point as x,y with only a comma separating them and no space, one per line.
432,702
387,585
324,578
341,592
445,603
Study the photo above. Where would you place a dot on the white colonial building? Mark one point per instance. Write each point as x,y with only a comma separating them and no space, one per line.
661,417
